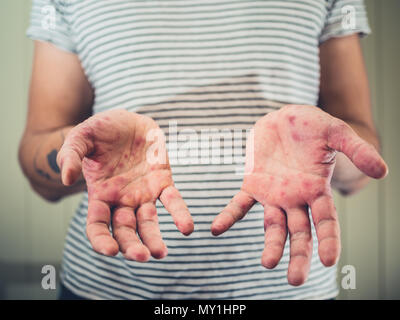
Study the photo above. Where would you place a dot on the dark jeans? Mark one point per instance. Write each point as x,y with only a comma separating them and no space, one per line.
66,294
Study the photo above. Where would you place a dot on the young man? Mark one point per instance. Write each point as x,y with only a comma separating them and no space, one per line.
199,66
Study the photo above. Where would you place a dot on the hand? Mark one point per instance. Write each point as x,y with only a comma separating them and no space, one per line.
288,172
112,152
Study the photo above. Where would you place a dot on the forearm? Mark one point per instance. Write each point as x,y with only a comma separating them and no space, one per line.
37,157
347,178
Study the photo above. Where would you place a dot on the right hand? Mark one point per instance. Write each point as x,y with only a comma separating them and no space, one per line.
111,150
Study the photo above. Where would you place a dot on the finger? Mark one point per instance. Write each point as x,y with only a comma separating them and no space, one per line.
70,169
173,202
124,231
300,245
149,230
76,146
240,204
365,157
97,228
327,227
275,236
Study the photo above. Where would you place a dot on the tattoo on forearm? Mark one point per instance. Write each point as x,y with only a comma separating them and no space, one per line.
52,162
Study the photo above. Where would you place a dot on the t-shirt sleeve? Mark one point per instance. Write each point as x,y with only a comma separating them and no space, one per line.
48,22
345,17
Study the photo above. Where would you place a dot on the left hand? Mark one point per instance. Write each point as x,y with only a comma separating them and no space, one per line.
289,171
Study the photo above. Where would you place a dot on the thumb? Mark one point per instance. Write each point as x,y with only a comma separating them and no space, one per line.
78,144
343,138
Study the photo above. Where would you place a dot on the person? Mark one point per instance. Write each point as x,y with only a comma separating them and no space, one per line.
109,75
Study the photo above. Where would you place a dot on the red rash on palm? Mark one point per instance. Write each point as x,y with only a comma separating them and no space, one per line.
110,149
294,158
296,137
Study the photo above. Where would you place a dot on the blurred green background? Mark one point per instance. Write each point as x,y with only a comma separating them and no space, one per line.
32,231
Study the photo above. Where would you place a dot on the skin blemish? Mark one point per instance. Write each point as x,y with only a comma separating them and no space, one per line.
120,165
86,132
285,183
305,123
282,193
319,194
138,141
306,184
295,136
244,205
125,156
151,213
113,195
141,256
104,185
171,196
292,119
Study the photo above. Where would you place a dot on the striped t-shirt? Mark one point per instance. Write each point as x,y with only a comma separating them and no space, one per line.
196,66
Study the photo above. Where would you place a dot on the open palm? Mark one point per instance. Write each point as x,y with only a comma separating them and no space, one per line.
125,172
290,160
